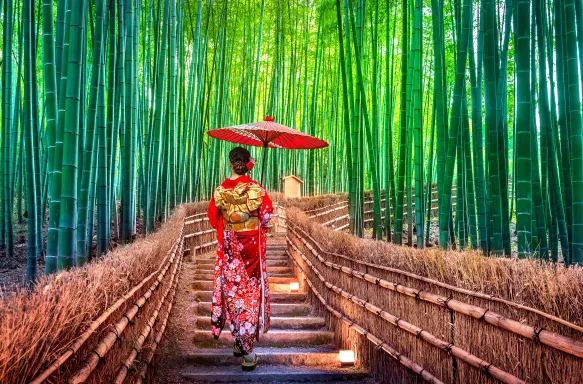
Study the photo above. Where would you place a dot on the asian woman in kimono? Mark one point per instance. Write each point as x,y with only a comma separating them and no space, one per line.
240,210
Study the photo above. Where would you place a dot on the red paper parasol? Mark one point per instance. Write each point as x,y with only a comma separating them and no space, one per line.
265,134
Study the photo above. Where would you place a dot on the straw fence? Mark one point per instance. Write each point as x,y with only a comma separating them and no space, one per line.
332,210
98,324
491,321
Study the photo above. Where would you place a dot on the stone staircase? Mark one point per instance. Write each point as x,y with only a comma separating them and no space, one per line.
298,347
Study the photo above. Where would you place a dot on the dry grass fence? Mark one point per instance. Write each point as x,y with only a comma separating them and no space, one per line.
98,322
454,317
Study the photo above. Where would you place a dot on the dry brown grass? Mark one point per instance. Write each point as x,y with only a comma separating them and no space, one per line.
38,326
312,203
551,288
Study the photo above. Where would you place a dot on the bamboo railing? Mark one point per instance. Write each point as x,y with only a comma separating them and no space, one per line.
142,304
106,343
473,343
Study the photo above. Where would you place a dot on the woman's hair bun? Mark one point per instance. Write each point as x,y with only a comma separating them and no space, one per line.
239,157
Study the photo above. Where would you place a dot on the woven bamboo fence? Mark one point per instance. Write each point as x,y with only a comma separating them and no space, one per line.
115,352
332,210
408,328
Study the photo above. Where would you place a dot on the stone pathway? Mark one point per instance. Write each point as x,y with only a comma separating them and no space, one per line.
298,347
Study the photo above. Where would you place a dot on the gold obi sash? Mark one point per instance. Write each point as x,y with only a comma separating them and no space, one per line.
239,206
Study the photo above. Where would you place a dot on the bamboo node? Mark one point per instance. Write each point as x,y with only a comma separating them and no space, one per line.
483,317
418,333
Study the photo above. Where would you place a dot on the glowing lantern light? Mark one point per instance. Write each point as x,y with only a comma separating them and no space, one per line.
294,287
346,358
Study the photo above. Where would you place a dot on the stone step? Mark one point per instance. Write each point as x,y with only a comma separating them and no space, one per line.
272,279
265,373
276,251
295,323
313,356
270,263
287,310
276,255
209,275
273,338
211,268
276,235
202,285
275,297
278,246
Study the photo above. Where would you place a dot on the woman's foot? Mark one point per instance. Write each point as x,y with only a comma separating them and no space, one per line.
236,351
249,362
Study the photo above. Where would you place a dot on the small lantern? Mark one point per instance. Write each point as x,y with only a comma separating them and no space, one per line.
346,358
294,287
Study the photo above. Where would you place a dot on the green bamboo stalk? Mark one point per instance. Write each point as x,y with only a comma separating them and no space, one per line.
576,132
85,226
398,229
68,218
30,147
523,131
157,133
491,120
456,120
417,124
6,232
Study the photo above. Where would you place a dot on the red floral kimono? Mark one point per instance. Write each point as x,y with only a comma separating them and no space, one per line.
240,211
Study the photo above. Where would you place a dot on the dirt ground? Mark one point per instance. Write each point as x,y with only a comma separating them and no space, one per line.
13,270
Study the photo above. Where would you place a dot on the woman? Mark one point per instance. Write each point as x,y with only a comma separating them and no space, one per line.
240,211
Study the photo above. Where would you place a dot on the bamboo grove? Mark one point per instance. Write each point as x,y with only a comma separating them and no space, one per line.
462,116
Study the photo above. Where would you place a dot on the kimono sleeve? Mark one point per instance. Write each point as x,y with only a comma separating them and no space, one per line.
214,214
266,210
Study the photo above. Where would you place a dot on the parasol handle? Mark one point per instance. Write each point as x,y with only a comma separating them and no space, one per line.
263,161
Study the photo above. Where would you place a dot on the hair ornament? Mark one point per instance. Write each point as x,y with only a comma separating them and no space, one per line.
250,164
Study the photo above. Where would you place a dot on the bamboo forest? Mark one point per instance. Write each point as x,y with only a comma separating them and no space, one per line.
460,119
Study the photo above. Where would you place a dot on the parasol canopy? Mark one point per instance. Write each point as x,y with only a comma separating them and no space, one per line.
269,134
